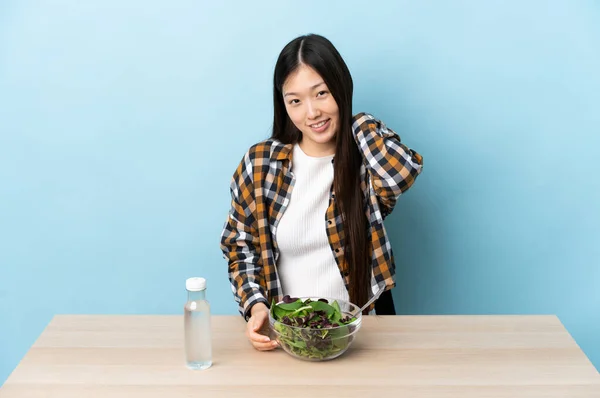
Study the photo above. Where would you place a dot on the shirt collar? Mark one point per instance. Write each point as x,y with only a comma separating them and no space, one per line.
284,152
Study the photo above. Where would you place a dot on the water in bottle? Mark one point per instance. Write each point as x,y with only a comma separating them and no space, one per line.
198,349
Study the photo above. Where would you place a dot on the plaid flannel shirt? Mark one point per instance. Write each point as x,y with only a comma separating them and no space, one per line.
261,188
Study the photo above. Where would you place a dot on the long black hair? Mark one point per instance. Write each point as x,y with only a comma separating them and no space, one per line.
319,53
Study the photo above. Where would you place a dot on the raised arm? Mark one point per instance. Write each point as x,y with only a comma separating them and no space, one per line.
393,167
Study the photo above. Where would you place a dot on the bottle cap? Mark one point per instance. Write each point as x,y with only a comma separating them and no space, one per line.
195,284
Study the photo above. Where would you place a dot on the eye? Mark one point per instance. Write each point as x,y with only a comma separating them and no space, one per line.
294,101
321,93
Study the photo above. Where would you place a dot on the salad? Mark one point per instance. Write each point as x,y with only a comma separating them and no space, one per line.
312,329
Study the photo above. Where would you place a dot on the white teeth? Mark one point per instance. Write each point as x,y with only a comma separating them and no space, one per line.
319,124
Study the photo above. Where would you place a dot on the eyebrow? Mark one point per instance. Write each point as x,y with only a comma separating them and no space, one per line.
312,88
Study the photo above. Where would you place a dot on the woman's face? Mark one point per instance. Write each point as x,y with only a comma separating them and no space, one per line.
313,110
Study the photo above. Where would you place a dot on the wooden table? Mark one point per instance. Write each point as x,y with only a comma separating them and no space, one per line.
88,356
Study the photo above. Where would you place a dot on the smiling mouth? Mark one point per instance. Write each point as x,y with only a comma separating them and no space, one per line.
320,124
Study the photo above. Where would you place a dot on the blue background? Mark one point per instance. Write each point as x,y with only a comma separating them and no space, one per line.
121,124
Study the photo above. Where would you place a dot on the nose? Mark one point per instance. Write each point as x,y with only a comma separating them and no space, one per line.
313,111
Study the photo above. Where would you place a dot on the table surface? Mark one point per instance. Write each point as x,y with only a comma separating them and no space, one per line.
117,356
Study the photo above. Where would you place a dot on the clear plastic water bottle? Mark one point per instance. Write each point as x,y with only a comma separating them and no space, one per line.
198,348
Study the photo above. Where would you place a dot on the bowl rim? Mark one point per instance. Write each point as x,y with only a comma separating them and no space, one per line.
356,322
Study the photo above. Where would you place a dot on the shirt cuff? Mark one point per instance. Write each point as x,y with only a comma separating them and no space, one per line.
255,299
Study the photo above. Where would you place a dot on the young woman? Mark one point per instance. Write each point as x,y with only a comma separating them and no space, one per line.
308,204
